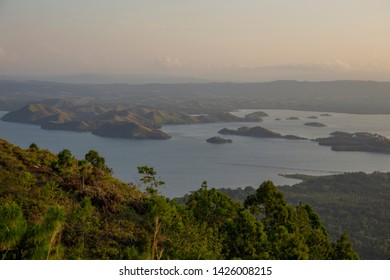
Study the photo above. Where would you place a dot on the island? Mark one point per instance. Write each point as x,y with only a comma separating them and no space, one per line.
219,140
315,124
257,131
358,141
312,117
255,116
129,130
292,118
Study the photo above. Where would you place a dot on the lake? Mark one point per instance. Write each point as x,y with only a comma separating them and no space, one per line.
186,160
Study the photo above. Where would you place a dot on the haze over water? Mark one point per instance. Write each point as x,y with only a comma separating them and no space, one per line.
185,160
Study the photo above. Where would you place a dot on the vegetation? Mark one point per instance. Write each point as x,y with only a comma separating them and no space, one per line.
59,207
353,202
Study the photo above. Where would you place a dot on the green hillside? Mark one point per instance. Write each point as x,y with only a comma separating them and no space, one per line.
59,207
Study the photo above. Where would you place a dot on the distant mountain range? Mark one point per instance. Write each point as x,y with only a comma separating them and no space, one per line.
195,98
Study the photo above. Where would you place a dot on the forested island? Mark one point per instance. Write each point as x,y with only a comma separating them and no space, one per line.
54,206
315,124
258,132
359,141
219,140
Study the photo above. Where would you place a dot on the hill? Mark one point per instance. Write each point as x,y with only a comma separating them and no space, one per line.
116,121
59,207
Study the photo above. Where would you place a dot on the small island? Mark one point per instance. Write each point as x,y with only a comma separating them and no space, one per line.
359,141
312,117
292,118
255,116
315,124
219,140
258,132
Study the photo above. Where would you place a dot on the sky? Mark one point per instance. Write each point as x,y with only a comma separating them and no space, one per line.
216,40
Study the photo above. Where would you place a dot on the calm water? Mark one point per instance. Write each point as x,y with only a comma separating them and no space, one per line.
185,160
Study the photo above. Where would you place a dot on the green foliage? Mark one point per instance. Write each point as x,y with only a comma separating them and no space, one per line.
65,158
245,238
343,249
12,228
149,179
33,240
352,202
212,206
43,240
33,146
97,161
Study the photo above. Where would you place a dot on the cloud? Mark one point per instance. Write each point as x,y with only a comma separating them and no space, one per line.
302,67
168,62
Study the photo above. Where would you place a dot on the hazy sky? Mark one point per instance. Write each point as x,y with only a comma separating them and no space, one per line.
237,40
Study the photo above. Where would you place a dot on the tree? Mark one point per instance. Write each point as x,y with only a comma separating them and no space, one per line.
12,229
95,159
280,222
343,249
311,227
65,158
149,179
99,167
212,206
269,205
34,240
43,240
245,238
34,147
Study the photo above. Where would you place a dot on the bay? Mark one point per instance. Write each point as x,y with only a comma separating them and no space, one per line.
186,160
